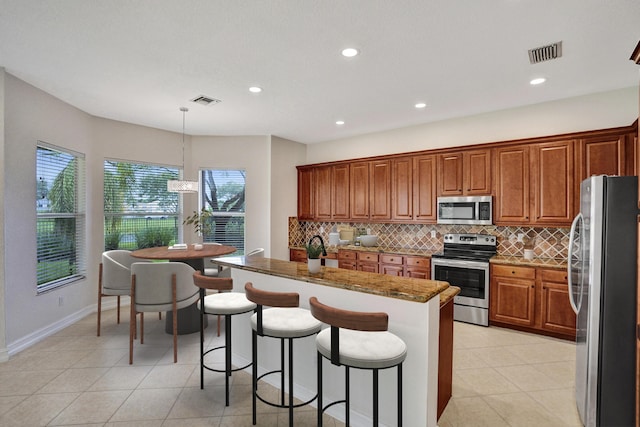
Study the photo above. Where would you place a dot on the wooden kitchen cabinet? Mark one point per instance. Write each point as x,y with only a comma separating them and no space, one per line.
331,191
298,255
512,185
552,183
367,261
306,193
402,189
465,173
370,190
534,184
531,299
380,190
425,188
413,189
417,267
556,314
392,264
322,192
359,190
512,295
347,259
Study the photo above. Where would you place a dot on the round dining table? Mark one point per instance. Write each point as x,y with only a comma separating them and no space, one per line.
188,317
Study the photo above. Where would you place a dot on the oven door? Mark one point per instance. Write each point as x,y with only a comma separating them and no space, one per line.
472,277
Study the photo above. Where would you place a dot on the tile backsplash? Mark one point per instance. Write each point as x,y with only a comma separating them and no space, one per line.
547,242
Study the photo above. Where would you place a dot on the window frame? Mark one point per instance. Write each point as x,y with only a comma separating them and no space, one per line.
78,214
142,214
228,214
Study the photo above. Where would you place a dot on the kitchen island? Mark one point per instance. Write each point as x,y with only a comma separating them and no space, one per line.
413,306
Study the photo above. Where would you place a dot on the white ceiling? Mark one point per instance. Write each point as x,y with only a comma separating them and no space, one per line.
139,61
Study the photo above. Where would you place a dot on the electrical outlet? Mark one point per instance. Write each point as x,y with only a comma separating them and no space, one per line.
60,301
434,234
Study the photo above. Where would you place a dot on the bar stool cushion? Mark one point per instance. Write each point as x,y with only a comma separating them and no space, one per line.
227,303
288,322
364,349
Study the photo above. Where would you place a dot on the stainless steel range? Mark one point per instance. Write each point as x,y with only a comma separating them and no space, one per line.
464,262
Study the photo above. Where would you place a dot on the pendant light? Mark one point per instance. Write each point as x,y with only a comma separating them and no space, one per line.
182,186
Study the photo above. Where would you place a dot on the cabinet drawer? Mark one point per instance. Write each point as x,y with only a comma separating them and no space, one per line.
347,255
391,259
559,276
298,255
416,261
513,271
367,257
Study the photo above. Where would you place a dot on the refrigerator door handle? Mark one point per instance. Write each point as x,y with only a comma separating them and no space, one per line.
572,233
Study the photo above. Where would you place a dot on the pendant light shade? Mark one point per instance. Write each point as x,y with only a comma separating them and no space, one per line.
181,185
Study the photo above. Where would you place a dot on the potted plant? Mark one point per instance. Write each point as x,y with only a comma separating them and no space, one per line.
313,257
201,221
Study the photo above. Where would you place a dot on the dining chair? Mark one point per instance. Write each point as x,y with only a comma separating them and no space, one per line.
114,278
160,286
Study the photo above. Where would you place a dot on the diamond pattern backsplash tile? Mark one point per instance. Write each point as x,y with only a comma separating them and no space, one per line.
546,242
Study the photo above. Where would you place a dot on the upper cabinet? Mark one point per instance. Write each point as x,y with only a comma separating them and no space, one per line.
306,193
413,188
534,184
331,188
370,190
465,173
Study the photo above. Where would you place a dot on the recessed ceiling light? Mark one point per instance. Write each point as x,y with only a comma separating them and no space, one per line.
350,52
420,105
255,89
340,122
537,81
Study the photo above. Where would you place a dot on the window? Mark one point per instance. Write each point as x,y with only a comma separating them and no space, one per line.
139,212
60,212
223,195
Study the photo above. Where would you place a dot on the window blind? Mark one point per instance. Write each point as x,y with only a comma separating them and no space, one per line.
60,212
139,211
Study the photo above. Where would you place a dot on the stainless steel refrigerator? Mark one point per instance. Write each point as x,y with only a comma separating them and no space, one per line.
602,288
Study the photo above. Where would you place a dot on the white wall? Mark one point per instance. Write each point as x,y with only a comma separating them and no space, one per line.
598,111
285,156
3,346
32,115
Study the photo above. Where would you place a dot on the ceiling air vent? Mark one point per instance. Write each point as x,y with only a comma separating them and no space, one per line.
545,53
205,100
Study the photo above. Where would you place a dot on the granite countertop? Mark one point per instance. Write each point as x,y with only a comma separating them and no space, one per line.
379,249
559,264
405,288
448,294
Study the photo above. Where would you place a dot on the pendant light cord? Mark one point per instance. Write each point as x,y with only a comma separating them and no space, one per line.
184,111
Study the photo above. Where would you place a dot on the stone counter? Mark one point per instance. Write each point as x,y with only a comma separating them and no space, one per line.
378,249
558,264
406,288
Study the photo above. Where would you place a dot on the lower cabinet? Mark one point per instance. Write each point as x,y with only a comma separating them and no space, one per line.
445,356
298,255
385,263
531,299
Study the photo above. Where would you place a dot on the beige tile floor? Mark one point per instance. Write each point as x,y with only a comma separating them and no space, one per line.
501,378
505,378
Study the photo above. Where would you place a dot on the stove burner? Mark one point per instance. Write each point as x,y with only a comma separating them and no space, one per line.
475,247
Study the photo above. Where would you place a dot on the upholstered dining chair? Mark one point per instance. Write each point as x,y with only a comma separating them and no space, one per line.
160,286
114,278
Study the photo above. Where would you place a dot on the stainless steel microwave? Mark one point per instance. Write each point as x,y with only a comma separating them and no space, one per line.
475,210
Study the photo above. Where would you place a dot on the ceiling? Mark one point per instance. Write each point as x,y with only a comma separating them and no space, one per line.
140,61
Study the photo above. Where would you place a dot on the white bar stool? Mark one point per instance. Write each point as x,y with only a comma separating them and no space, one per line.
225,304
357,340
285,321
